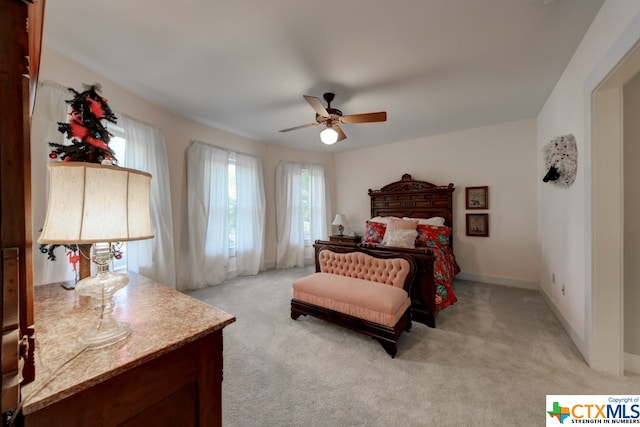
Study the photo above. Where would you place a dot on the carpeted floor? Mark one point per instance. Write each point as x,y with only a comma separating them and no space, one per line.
492,360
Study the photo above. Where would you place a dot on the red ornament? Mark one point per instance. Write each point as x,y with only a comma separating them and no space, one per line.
95,108
96,143
76,128
53,155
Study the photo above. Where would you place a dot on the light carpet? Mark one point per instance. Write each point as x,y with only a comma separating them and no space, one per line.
491,361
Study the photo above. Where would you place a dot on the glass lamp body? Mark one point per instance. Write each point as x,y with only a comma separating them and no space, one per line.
100,288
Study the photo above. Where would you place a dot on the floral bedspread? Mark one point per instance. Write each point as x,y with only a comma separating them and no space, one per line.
436,238
445,268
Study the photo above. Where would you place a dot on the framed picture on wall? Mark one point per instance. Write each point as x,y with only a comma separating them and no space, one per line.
478,225
477,197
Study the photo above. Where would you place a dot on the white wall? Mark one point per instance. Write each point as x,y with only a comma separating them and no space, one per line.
502,157
631,97
564,216
179,132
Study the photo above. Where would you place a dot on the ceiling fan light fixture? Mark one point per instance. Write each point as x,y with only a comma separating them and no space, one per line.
329,135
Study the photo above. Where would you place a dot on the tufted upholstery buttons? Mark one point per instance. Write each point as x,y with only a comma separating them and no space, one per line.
390,271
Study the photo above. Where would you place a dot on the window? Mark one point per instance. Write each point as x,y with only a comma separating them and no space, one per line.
118,145
233,205
226,210
305,183
301,210
235,215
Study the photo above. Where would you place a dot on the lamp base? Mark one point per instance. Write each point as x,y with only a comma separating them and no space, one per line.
105,330
103,336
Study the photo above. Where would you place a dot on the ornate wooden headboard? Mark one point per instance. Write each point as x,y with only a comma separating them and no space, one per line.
411,198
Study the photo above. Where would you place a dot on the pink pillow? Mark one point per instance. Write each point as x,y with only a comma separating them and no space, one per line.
400,224
374,232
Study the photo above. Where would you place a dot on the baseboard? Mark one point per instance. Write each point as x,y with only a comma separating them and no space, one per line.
632,363
577,340
515,283
270,265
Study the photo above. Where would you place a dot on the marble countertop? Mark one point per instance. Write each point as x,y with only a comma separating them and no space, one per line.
161,319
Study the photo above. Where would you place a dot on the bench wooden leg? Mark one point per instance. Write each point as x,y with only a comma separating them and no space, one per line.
390,347
295,313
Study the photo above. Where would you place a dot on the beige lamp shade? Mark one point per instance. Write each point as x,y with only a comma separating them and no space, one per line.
339,219
90,203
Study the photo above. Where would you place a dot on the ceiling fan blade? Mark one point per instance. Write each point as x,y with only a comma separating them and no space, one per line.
317,105
365,118
300,127
341,134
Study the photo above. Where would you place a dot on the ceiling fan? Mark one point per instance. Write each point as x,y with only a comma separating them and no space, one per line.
331,118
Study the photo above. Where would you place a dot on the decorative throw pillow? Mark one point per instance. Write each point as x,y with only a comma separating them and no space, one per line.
400,224
430,236
401,238
374,232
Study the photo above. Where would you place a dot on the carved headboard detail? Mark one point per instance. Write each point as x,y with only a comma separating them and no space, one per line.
412,198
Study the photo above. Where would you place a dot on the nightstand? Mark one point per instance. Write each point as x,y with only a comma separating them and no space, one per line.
346,239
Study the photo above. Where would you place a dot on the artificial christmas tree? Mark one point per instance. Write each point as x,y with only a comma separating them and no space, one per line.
88,142
89,137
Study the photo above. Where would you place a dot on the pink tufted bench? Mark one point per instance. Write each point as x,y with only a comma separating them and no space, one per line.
366,291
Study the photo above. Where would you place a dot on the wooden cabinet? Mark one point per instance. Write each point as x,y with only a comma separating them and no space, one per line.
345,239
167,373
20,41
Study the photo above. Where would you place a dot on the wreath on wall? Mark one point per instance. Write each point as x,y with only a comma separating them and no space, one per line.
561,161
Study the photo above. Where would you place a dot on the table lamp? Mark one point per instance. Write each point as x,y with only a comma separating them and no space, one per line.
98,204
340,221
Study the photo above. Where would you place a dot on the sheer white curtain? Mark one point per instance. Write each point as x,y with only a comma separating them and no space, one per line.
319,203
290,211
250,222
50,108
146,151
205,249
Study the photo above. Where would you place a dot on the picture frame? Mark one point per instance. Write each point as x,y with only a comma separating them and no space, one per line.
477,197
478,225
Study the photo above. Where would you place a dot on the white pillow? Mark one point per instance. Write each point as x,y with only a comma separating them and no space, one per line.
383,219
401,238
437,221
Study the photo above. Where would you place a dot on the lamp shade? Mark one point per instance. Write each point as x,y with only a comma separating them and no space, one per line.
90,203
339,219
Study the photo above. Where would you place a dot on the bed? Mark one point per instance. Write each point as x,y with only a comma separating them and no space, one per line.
410,198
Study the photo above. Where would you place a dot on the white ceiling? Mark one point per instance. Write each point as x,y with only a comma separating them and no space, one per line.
435,66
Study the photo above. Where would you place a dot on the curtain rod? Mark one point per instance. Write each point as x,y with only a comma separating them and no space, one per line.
195,141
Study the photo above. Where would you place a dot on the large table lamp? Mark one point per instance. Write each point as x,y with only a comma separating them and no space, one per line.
98,204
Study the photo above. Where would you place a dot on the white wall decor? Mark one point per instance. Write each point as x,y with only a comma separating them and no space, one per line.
561,161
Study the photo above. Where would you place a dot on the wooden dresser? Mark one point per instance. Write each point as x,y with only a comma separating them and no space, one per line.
167,373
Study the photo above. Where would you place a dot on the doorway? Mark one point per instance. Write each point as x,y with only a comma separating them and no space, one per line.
605,205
